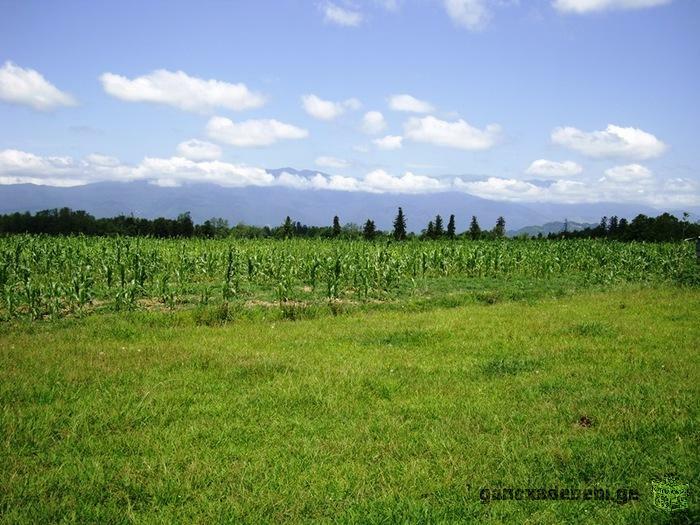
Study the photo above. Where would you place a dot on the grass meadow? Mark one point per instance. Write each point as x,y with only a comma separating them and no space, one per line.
397,413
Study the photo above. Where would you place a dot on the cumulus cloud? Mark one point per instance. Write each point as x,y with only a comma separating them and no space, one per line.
376,181
195,149
551,168
630,183
614,141
373,122
28,87
458,134
331,162
182,91
177,170
327,109
409,104
382,182
21,167
513,190
252,133
500,189
389,142
590,6
12,160
471,14
337,15
631,173
18,167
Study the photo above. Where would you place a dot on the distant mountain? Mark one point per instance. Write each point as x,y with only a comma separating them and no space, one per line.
551,227
270,205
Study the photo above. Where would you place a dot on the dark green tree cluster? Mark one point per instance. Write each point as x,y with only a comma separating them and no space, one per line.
665,227
65,221
435,230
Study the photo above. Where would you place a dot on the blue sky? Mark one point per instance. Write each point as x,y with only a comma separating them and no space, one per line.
542,100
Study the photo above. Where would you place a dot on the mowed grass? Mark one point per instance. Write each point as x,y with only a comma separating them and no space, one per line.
369,417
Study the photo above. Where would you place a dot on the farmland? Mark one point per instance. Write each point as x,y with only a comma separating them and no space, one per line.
49,277
315,381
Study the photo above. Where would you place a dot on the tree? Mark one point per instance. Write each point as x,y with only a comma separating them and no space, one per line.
369,230
451,227
500,229
602,229
439,229
622,228
613,225
474,229
185,224
400,226
205,230
430,231
335,232
287,228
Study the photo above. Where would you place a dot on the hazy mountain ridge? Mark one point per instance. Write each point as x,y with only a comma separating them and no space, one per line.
270,205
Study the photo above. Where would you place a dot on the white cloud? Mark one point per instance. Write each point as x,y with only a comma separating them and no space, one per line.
327,109
472,14
335,14
631,183
614,141
380,181
458,134
590,6
335,182
321,109
551,168
631,173
621,184
12,160
252,133
409,104
95,159
20,167
28,87
500,189
377,181
389,142
182,91
513,190
177,170
292,180
331,162
195,149
373,122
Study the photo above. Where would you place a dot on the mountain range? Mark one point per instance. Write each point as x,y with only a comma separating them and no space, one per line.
270,205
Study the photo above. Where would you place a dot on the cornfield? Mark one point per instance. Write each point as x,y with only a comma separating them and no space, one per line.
51,276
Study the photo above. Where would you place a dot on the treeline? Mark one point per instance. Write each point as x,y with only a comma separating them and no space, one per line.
65,221
665,227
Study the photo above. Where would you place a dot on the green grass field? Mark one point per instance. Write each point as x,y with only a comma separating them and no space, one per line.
394,414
